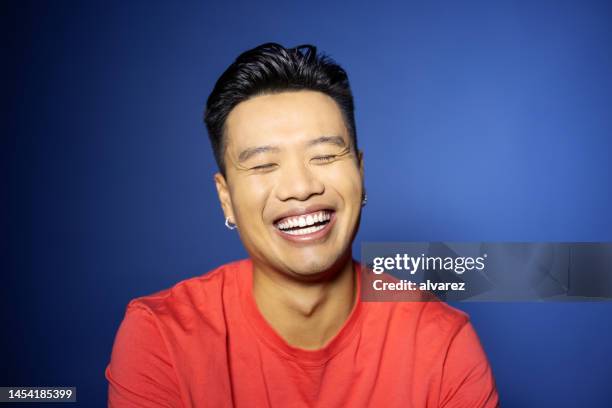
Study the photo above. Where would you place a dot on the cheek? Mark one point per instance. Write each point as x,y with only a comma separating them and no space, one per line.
249,198
345,179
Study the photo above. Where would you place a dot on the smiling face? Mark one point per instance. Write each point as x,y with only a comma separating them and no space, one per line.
293,181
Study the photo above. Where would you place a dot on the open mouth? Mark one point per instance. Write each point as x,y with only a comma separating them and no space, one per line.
304,224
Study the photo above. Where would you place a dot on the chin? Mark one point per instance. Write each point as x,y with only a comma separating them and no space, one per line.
317,266
310,268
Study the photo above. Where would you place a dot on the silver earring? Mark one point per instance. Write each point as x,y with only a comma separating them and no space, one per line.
229,224
364,200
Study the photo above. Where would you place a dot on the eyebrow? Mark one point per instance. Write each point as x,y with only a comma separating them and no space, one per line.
252,151
335,140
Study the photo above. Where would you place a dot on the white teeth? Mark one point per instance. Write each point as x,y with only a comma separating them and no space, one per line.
303,221
304,231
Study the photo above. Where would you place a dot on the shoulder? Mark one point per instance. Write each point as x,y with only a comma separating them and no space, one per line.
411,310
430,321
443,316
157,328
438,321
201,295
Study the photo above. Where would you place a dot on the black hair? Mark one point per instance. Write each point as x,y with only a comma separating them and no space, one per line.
271,68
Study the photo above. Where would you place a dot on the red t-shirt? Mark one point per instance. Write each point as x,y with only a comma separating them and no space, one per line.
204,343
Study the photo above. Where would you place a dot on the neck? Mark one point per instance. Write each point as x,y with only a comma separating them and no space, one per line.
306,314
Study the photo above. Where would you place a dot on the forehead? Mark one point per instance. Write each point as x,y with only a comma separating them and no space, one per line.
284,118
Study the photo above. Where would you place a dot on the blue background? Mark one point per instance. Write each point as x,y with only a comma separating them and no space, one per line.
479,121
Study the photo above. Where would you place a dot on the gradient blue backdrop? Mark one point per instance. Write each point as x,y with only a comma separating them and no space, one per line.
479,121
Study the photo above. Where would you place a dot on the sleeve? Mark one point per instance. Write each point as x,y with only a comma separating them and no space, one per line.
141,373
467,379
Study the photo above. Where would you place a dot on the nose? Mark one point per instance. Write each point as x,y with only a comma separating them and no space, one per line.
298,182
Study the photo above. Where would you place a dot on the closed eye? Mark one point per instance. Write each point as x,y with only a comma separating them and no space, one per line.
264,167
324,159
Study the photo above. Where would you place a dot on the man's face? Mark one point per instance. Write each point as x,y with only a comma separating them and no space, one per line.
293,181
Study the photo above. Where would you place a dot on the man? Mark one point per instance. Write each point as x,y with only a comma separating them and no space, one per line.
287,328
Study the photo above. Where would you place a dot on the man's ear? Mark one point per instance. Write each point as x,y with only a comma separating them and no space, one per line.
224,197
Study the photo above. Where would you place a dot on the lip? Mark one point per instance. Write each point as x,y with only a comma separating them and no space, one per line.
313,236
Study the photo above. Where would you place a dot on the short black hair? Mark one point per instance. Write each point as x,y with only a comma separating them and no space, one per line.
271,68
